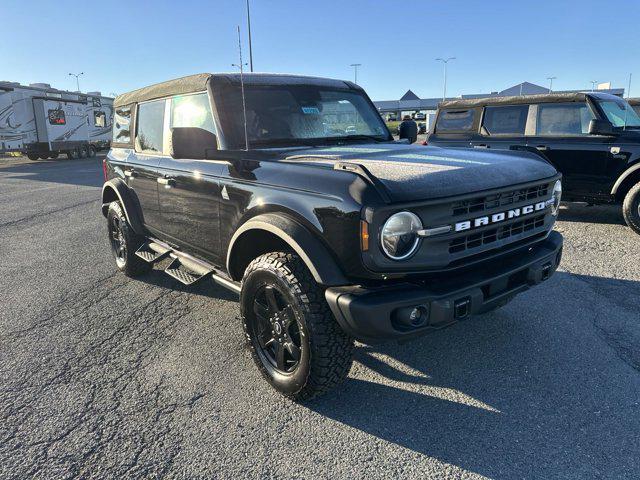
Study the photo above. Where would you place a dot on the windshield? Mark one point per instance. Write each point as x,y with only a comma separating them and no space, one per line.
296,115
619,113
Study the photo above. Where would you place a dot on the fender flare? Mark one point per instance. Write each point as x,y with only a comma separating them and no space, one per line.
128,201
311,250
626,174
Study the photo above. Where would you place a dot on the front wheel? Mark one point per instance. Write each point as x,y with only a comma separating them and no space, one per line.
293,338
124,243
631,208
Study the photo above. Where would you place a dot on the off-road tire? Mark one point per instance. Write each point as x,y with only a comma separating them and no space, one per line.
631,208
127,261
326,350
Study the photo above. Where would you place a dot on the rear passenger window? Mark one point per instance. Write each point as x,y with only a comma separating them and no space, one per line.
122,125
505,120
150,124
454,120
563,119
192,111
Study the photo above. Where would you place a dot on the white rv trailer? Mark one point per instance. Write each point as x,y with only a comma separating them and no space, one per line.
43,122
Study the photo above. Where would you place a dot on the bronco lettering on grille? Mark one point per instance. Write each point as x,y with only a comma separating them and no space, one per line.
500,217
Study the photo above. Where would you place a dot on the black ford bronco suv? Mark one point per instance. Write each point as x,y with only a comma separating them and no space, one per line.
291,192
592,138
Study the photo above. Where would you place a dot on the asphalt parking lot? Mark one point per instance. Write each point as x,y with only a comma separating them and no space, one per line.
103,376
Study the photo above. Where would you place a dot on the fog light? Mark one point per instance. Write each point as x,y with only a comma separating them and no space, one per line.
411,317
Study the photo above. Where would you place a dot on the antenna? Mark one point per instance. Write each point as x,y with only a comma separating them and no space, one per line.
626,110
244,105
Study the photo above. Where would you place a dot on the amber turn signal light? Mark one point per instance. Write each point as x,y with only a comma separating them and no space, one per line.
364,235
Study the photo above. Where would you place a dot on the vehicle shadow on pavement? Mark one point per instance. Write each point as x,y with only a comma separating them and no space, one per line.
82,172
581,212
518,393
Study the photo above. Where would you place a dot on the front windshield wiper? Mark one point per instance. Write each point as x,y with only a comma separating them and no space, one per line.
375,138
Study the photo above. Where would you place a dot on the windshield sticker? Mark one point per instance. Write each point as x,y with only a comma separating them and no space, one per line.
311,110
416,156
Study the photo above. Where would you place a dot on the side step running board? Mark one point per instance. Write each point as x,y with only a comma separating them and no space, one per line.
151,252
183,267
187,271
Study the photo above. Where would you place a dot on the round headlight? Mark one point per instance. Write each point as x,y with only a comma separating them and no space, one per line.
399,238
556,197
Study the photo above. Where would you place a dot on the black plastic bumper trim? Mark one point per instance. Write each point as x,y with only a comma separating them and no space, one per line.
367,313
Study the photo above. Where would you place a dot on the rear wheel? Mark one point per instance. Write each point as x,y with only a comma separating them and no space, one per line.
53,155
293,338
92,151
631,208
32,156
72,154
83,151
124,243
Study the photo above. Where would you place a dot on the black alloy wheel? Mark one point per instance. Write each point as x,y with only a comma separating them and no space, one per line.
118,242
273,323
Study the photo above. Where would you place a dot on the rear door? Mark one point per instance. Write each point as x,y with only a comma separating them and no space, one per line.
141,170
190,191
562,134
502,127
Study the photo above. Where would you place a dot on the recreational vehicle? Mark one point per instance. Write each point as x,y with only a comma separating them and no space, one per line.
43,122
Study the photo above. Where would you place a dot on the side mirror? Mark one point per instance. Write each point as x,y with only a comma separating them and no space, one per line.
600,127
192,143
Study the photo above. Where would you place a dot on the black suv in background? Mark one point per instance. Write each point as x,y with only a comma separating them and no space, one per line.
635,104
593,139
291,192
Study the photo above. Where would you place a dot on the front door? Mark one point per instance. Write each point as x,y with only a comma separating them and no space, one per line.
189,190
562,135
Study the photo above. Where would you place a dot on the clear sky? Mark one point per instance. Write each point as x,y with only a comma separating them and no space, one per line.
122,45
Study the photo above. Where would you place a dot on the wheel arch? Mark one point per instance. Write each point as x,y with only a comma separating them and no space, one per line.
628,179
116,191
271,232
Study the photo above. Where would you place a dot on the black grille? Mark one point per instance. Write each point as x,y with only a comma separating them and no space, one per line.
497,200
485,237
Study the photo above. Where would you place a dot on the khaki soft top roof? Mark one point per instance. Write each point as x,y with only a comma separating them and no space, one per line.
520,99
198,83
179,86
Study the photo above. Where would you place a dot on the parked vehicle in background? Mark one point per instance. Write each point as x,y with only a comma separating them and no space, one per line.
419,116
592,138
44,122
327,236
635,104
392,117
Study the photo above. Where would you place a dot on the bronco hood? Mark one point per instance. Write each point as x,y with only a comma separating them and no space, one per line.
411,172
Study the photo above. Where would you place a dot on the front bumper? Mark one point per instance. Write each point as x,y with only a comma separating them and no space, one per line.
371,314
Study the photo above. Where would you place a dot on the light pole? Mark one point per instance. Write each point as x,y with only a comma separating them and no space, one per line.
355,71
593,85
77,75
249,28
551,79
444,86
